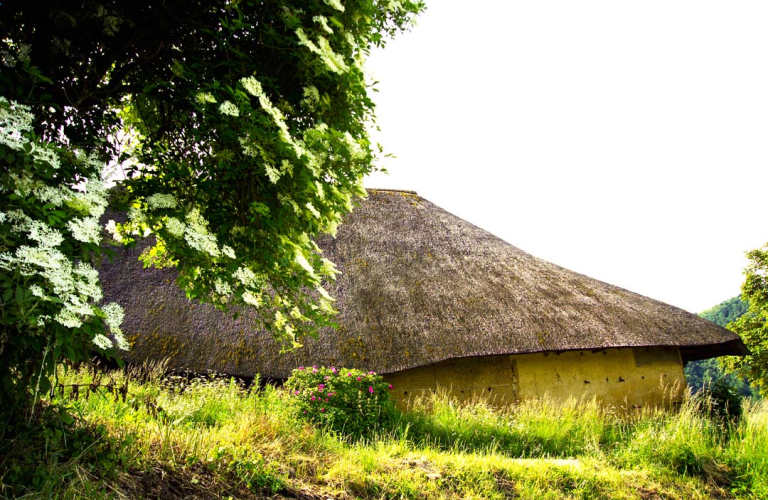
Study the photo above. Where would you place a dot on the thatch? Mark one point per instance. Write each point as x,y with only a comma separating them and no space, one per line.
418,286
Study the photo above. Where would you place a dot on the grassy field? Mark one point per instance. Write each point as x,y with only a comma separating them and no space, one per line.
212,438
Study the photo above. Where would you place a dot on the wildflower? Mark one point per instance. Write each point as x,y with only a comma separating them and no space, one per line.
327,377
322,410
312,398
301,368
297,392
359,379
349,374
370,389
326,400
321,386
390,387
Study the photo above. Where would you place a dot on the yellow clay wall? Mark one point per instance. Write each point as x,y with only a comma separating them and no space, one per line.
625,377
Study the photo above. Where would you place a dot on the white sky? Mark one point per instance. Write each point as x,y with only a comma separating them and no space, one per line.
627,141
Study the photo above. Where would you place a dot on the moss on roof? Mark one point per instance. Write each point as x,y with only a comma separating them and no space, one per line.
418,286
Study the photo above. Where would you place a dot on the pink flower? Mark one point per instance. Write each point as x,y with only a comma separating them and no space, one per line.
349,374
327,377
312,398
301,368
370,389
390,387
321,386
313,366
326,400
371,373
322,410
333,369
296,392
359,379
314,370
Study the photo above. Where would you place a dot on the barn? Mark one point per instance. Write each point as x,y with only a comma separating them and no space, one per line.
432,301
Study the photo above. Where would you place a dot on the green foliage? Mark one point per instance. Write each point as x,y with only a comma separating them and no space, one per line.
752,327
708,372
350,402
727,311
53,439
242,127
704,373
721,399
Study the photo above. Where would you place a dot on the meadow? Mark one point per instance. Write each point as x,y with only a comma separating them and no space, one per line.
136,433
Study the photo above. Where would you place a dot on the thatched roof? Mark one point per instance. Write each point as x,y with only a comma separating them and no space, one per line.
418,286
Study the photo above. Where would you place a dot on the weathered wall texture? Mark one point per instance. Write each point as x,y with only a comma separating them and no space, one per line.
624,377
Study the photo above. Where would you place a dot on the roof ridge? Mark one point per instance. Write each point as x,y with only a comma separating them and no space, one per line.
392,190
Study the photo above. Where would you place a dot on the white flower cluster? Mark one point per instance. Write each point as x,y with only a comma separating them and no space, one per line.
175,227
15,119
228,251
254,87
248,278
311,96
323,22
73,287
111,228
356,152
85,229
228,108
159,201
205,98
322,48
336,4
197,235
222,288
47,155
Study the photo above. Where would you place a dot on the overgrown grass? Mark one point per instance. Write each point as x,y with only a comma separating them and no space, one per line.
214,438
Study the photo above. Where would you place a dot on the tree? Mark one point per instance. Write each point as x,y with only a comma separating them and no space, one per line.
708,372
727,311
241,126
753,326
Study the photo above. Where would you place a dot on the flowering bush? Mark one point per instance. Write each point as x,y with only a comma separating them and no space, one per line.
51,198
348,401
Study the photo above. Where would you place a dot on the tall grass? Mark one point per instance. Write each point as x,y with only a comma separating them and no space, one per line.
173,438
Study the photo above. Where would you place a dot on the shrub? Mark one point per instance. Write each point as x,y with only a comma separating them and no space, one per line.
348,401
720,399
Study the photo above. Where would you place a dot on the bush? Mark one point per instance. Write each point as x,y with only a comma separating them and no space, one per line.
350,402
720,399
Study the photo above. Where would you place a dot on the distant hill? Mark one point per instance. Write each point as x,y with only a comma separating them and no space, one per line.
699,373
726,312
